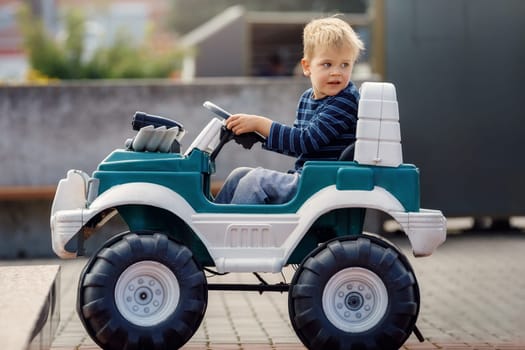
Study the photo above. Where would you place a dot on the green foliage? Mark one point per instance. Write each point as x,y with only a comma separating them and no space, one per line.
68,59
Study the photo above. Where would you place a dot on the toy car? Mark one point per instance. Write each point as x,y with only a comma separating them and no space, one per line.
146,288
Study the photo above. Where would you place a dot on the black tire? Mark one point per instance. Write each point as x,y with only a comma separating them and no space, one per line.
356,293
142,292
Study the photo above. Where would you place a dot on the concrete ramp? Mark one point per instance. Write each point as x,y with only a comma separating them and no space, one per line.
29,306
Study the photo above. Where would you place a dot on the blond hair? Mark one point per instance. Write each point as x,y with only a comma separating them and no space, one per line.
330,32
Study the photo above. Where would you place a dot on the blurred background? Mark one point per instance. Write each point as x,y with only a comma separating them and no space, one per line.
72,73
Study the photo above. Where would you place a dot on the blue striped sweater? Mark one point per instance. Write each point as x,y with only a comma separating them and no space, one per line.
322,129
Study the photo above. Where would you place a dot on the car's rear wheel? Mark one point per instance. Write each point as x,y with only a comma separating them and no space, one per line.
354,293
142,292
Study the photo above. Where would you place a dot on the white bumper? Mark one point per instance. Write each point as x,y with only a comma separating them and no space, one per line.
426,229
67,211
65,224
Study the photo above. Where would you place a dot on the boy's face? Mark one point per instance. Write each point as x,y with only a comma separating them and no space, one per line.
329,70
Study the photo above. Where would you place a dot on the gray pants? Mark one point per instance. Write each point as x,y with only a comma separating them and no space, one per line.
258,186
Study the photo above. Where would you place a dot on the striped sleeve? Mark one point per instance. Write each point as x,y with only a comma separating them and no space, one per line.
330,121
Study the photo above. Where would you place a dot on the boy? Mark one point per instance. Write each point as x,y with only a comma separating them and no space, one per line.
325,121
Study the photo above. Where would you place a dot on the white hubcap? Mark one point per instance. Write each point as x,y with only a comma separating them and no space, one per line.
146,293
355,299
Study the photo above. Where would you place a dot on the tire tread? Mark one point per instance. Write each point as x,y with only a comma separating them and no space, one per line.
305,305
96,307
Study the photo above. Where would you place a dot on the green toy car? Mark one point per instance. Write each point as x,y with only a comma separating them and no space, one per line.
146,288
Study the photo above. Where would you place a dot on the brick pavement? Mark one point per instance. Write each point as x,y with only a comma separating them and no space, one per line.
472,295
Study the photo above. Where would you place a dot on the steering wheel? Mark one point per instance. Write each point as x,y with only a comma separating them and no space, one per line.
247,140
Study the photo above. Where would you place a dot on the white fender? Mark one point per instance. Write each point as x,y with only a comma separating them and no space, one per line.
426,229
66,223
141,193
330,198
145,193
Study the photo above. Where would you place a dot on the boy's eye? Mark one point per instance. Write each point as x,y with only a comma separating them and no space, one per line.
345,65
327,65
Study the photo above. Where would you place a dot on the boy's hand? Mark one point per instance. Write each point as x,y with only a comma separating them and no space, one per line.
243,123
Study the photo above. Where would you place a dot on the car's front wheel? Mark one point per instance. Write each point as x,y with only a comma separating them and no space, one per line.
142,292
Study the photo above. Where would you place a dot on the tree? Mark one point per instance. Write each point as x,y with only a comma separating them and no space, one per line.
66,58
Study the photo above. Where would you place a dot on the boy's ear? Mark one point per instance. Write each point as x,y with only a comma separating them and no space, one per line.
306,67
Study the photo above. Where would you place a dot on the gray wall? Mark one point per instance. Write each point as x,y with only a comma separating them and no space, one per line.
458,66
46,130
